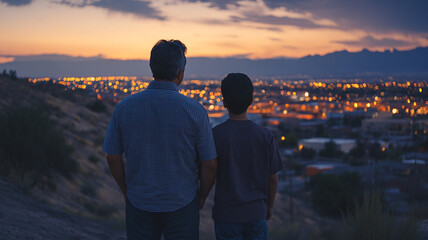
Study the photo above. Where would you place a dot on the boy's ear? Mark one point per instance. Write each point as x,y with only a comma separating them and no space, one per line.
224,103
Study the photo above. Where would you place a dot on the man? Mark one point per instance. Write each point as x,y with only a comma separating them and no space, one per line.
165,137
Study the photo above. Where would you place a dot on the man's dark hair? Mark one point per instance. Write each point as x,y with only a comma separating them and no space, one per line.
237,90
167,59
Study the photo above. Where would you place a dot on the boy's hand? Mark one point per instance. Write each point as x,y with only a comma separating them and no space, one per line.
269,213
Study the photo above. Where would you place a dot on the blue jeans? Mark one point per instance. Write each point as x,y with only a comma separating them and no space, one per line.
180,224
256,230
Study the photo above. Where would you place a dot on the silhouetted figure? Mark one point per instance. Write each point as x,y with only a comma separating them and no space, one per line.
165,137
248,162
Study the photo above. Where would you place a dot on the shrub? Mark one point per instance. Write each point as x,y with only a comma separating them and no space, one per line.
93,159
97,106
358,152
292,164
99,140
100,209
307,153
334,194
370,220
291,140
331,150
30,143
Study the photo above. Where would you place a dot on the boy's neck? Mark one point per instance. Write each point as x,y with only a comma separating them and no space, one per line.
240,117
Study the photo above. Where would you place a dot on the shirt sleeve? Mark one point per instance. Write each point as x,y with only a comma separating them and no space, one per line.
205,143
275,162
112,140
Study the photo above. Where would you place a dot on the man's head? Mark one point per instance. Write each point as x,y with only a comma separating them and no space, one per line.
167,59
237,90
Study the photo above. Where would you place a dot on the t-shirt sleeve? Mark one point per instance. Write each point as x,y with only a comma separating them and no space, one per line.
112,140
205,142
275,162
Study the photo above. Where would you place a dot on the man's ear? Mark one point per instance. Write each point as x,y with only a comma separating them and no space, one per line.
180,76
224,103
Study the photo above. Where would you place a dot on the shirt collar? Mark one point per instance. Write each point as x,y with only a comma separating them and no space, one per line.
165,85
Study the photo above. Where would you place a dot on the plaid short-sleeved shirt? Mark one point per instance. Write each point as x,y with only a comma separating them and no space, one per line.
164,135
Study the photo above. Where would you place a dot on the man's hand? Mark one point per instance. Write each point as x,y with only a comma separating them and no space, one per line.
117,169
207,177
269,213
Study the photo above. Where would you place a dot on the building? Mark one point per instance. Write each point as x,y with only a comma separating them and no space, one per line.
318,144
387,126
421,127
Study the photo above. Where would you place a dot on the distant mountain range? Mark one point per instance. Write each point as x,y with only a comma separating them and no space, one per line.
341,63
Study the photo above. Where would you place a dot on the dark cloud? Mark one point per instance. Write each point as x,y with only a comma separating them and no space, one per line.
16,2
379,15
273,20
222,4
135,7
266,19
273,29
408,16
236,19
370,41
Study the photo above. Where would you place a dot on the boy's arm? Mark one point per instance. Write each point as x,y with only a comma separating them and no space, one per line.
272,188
208,174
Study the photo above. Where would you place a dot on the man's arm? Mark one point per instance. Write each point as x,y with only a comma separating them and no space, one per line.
117,169
272,188
207,175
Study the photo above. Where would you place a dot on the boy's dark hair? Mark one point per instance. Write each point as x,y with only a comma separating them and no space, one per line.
237,90
167,58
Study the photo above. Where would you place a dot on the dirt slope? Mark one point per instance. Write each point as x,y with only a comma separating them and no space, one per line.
23,217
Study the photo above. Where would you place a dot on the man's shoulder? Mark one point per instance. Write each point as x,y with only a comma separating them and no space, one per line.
129,99
126,102
191,103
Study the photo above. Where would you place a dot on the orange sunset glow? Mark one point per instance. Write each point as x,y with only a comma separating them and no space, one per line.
117,29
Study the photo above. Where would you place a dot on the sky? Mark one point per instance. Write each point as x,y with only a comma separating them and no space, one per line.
255,29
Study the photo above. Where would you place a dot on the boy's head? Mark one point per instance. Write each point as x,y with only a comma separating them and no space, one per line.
237,90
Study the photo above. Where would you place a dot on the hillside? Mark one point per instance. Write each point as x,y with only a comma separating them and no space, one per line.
91,190
22,217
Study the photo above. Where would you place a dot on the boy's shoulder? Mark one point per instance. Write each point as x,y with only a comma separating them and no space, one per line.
251,127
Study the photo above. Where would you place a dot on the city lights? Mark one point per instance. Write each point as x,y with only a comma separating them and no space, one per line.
301,99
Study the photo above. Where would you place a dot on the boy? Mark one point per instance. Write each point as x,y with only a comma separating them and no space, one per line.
248,162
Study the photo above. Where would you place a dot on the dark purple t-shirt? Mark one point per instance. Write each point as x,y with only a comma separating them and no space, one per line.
247,154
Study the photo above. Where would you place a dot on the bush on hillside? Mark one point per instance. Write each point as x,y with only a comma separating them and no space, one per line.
335,194
30,143
371,220
97,106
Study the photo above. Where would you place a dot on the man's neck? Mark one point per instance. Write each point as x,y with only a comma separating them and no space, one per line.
176,81
240,117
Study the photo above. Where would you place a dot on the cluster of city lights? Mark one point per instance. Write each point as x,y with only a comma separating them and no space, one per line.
302,99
